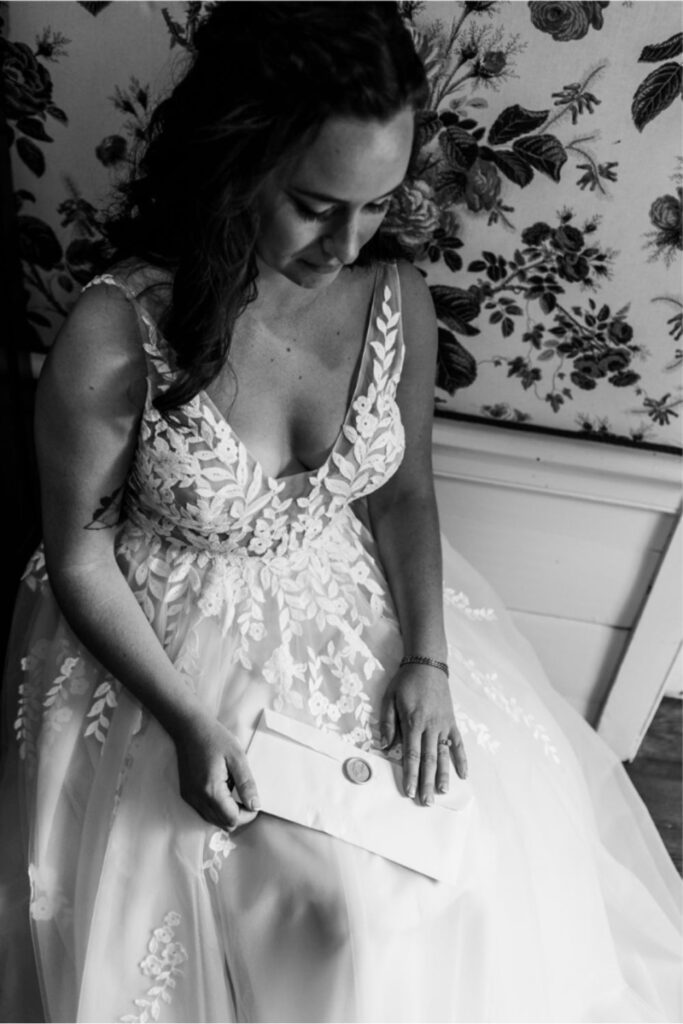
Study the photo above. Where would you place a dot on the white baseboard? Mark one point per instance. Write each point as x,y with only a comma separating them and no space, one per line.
544,463
574,535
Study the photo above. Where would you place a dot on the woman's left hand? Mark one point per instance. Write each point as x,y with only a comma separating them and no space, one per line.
417,711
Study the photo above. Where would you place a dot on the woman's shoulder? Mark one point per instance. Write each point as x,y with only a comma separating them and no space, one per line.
103,326
413,283
402,277
417,306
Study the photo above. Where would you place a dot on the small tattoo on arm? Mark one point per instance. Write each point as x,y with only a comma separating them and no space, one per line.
107,513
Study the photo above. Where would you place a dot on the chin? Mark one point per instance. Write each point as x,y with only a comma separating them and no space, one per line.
307,276
302,272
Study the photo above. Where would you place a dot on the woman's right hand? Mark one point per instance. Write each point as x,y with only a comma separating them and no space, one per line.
210,763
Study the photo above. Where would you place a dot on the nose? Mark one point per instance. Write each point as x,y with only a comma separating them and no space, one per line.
344,240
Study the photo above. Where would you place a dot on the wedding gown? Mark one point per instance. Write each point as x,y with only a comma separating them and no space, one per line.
269,593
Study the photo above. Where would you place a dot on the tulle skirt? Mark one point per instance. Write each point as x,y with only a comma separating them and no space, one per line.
120,903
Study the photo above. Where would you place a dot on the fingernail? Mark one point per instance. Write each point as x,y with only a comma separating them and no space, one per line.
429,802
255,804
410,791
383,741
443,789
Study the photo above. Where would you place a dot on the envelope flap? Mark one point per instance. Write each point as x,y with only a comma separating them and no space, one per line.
308,736
458,796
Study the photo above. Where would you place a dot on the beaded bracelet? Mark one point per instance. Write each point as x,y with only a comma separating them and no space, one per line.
418,659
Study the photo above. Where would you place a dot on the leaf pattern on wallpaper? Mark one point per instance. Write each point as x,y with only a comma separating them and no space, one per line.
656,93
462,165
29,102
183,35
661,87
521,297
513,122
135,104
28,95
675,328
54,268
670,48
470,167
568,345
456,367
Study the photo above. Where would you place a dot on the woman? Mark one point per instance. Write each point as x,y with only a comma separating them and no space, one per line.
233,432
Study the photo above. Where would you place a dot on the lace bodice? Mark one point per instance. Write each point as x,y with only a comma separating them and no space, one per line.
195,481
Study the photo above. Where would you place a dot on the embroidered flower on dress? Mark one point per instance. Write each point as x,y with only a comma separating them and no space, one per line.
61,717
207,536
359,572
41,909
220,845
488,683
212,600
317,704
366,424
281,671
351,685
467,725
47,900
462,603
257,631
162,963
333,712
359,737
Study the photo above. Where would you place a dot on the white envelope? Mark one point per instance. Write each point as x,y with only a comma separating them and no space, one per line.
306,776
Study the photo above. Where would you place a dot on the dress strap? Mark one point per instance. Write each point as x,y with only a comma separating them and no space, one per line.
388,319
390,279
158,364
116,282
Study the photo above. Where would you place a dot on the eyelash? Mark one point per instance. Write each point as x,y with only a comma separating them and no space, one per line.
306,214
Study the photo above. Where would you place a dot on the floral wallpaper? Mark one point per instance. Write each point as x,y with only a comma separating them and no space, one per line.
545,214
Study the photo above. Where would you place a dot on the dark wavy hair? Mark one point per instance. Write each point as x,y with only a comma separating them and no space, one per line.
263,79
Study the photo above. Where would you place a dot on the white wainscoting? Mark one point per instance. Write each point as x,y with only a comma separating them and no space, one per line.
582,541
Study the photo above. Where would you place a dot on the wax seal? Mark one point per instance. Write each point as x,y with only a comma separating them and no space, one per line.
357,770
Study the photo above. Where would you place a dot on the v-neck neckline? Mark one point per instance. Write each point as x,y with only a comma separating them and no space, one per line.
359,374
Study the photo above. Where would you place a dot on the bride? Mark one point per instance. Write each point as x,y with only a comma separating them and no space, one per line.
233,431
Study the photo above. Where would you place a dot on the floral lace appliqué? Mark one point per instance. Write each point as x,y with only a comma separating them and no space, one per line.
487,682
104,702
47,900
481,732
163,960
29,706
462,603
268,559
221,846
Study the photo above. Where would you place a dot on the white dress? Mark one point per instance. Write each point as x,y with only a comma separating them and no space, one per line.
269,593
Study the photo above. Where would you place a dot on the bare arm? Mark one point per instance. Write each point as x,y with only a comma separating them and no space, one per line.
89,400
417,705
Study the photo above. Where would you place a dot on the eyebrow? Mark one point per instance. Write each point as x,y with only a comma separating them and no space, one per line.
322,198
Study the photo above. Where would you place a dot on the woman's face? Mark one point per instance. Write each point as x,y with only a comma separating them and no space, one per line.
318,213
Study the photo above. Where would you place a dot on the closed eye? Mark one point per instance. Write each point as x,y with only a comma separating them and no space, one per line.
308,213
380,207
